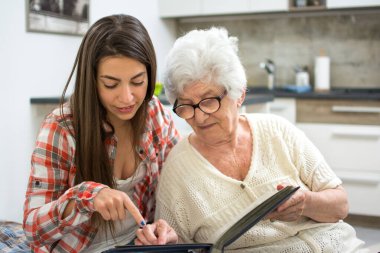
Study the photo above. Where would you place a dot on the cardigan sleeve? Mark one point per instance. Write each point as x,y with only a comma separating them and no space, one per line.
313,168
170,206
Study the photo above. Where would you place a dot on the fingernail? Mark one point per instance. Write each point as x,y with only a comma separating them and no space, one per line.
142,224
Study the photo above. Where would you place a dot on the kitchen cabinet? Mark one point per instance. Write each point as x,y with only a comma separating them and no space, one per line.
284,107
217,7
269,5
338,4
256,103
352,151
338,111
255,108
181,8
198,8
348,135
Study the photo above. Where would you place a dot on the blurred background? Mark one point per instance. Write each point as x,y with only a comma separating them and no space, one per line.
316,63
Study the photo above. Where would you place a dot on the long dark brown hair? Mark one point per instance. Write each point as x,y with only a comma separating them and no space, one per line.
115,35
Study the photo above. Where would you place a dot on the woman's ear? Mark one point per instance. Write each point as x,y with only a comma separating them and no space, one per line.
241,99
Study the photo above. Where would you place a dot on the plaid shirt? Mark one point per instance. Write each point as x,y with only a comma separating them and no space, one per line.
51,181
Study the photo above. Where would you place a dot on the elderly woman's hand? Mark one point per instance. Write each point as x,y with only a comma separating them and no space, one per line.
155,234
290,210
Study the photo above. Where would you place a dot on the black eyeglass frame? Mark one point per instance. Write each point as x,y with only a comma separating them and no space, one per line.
219,98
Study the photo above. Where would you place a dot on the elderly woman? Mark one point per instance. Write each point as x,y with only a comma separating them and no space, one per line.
231,160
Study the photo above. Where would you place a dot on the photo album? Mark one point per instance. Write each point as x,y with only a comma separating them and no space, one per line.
233,233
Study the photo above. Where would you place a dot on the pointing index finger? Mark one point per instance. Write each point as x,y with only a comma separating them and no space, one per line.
135,212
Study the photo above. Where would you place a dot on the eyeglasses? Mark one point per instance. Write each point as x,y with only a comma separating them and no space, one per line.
206,105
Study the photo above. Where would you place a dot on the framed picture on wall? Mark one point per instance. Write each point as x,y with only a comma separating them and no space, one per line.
57,16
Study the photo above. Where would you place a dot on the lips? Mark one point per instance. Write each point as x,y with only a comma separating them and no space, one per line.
126,109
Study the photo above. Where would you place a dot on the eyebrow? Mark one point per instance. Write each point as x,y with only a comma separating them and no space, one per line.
118,79
206,95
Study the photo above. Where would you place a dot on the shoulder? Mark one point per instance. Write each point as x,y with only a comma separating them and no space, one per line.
156,108
158,115
182,165
270,123
159,127
180,157
179,152
266,118
58,116
56,124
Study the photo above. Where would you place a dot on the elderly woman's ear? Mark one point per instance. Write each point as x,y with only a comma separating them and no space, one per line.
241,99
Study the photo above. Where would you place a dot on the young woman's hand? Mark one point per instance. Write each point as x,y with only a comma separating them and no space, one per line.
111,205
155,234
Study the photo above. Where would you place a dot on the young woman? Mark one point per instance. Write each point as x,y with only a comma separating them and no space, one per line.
100,154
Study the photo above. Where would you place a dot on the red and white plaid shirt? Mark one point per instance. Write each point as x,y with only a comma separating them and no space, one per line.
51,181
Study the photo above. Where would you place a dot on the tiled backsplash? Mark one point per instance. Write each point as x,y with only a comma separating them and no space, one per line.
351,41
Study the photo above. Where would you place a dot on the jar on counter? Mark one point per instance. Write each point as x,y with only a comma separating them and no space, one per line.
300,3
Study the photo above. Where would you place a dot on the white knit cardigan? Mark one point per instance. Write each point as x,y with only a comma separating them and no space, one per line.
200,202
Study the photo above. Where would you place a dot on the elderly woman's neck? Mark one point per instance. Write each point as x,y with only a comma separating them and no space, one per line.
232,140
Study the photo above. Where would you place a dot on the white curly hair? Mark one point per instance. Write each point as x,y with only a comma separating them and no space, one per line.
207,56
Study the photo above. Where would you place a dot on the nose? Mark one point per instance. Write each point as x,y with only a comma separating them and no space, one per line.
126,94
199,115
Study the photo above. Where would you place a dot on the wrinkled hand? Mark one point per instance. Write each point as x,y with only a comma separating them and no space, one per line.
111,205
155,234
292,209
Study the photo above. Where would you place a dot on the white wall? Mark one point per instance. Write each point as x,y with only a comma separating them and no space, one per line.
37,65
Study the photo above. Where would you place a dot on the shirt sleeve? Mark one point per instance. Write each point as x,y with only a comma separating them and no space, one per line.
163,124
173,135
50,188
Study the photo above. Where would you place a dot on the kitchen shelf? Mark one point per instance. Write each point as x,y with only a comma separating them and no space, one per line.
45,100
309,7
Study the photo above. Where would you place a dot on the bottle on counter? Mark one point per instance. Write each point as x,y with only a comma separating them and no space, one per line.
322,72
270,67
